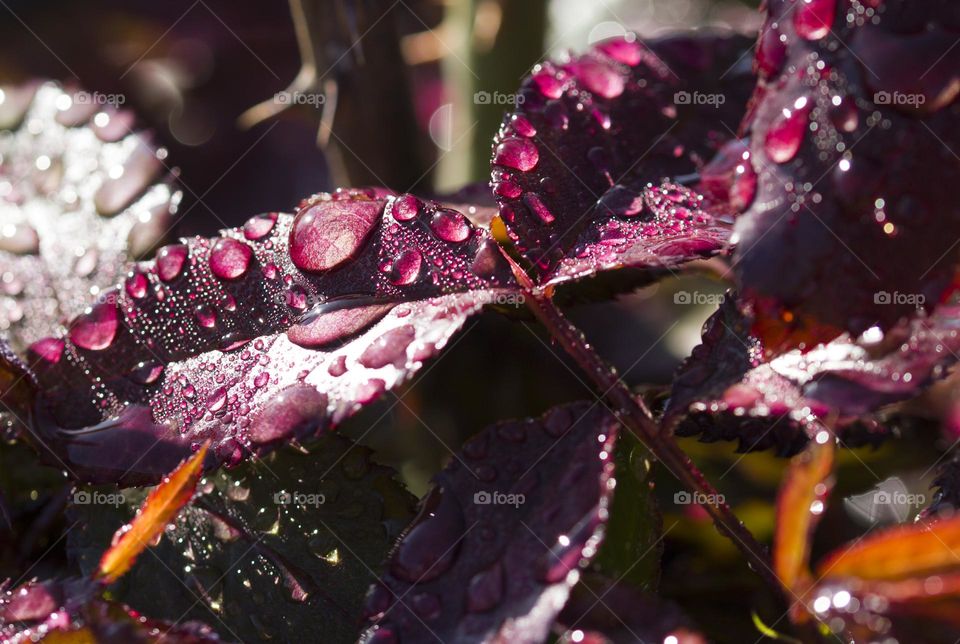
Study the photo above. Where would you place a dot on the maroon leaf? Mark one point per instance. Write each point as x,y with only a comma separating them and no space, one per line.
274,330
725,390
853,135
495,549
74,610
578,168
79,196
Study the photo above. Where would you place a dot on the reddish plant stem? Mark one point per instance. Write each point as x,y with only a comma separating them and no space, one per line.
633,413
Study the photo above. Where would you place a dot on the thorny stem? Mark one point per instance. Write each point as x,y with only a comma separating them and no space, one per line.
633,413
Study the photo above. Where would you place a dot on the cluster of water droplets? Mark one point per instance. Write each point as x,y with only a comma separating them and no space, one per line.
272,330
592,136
80,195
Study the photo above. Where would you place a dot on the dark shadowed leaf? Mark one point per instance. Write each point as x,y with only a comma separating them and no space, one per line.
854,137
280,328
725,390
579,168
601,611
500,538
80,195
267,550
73,612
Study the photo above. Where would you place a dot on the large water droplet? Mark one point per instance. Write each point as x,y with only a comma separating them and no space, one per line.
405,207
230,258
299,411
485,589
535,204
146,373
628,52
813,19
599,77
19,239
621,201
206,316
259,226
48,349
771,51
336,325
450,225
389,348
432,545
170,261
136,285
405,267
217,399
329,233
96,329
786,135
517,153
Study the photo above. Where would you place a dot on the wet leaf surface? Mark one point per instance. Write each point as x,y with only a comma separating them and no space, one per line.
579,167
71,611
854,142
80,195
267,550
495,550
727,391
278,329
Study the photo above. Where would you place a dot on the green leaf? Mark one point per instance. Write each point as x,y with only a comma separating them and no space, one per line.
632,546
267,550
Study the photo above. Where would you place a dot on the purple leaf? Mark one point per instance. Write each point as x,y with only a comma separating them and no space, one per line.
80,195
579,167
74,610
853,135
278,329
725,390
495,549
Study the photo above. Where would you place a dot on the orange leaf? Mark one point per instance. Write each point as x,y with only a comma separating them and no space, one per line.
799,507
905,551
161,507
